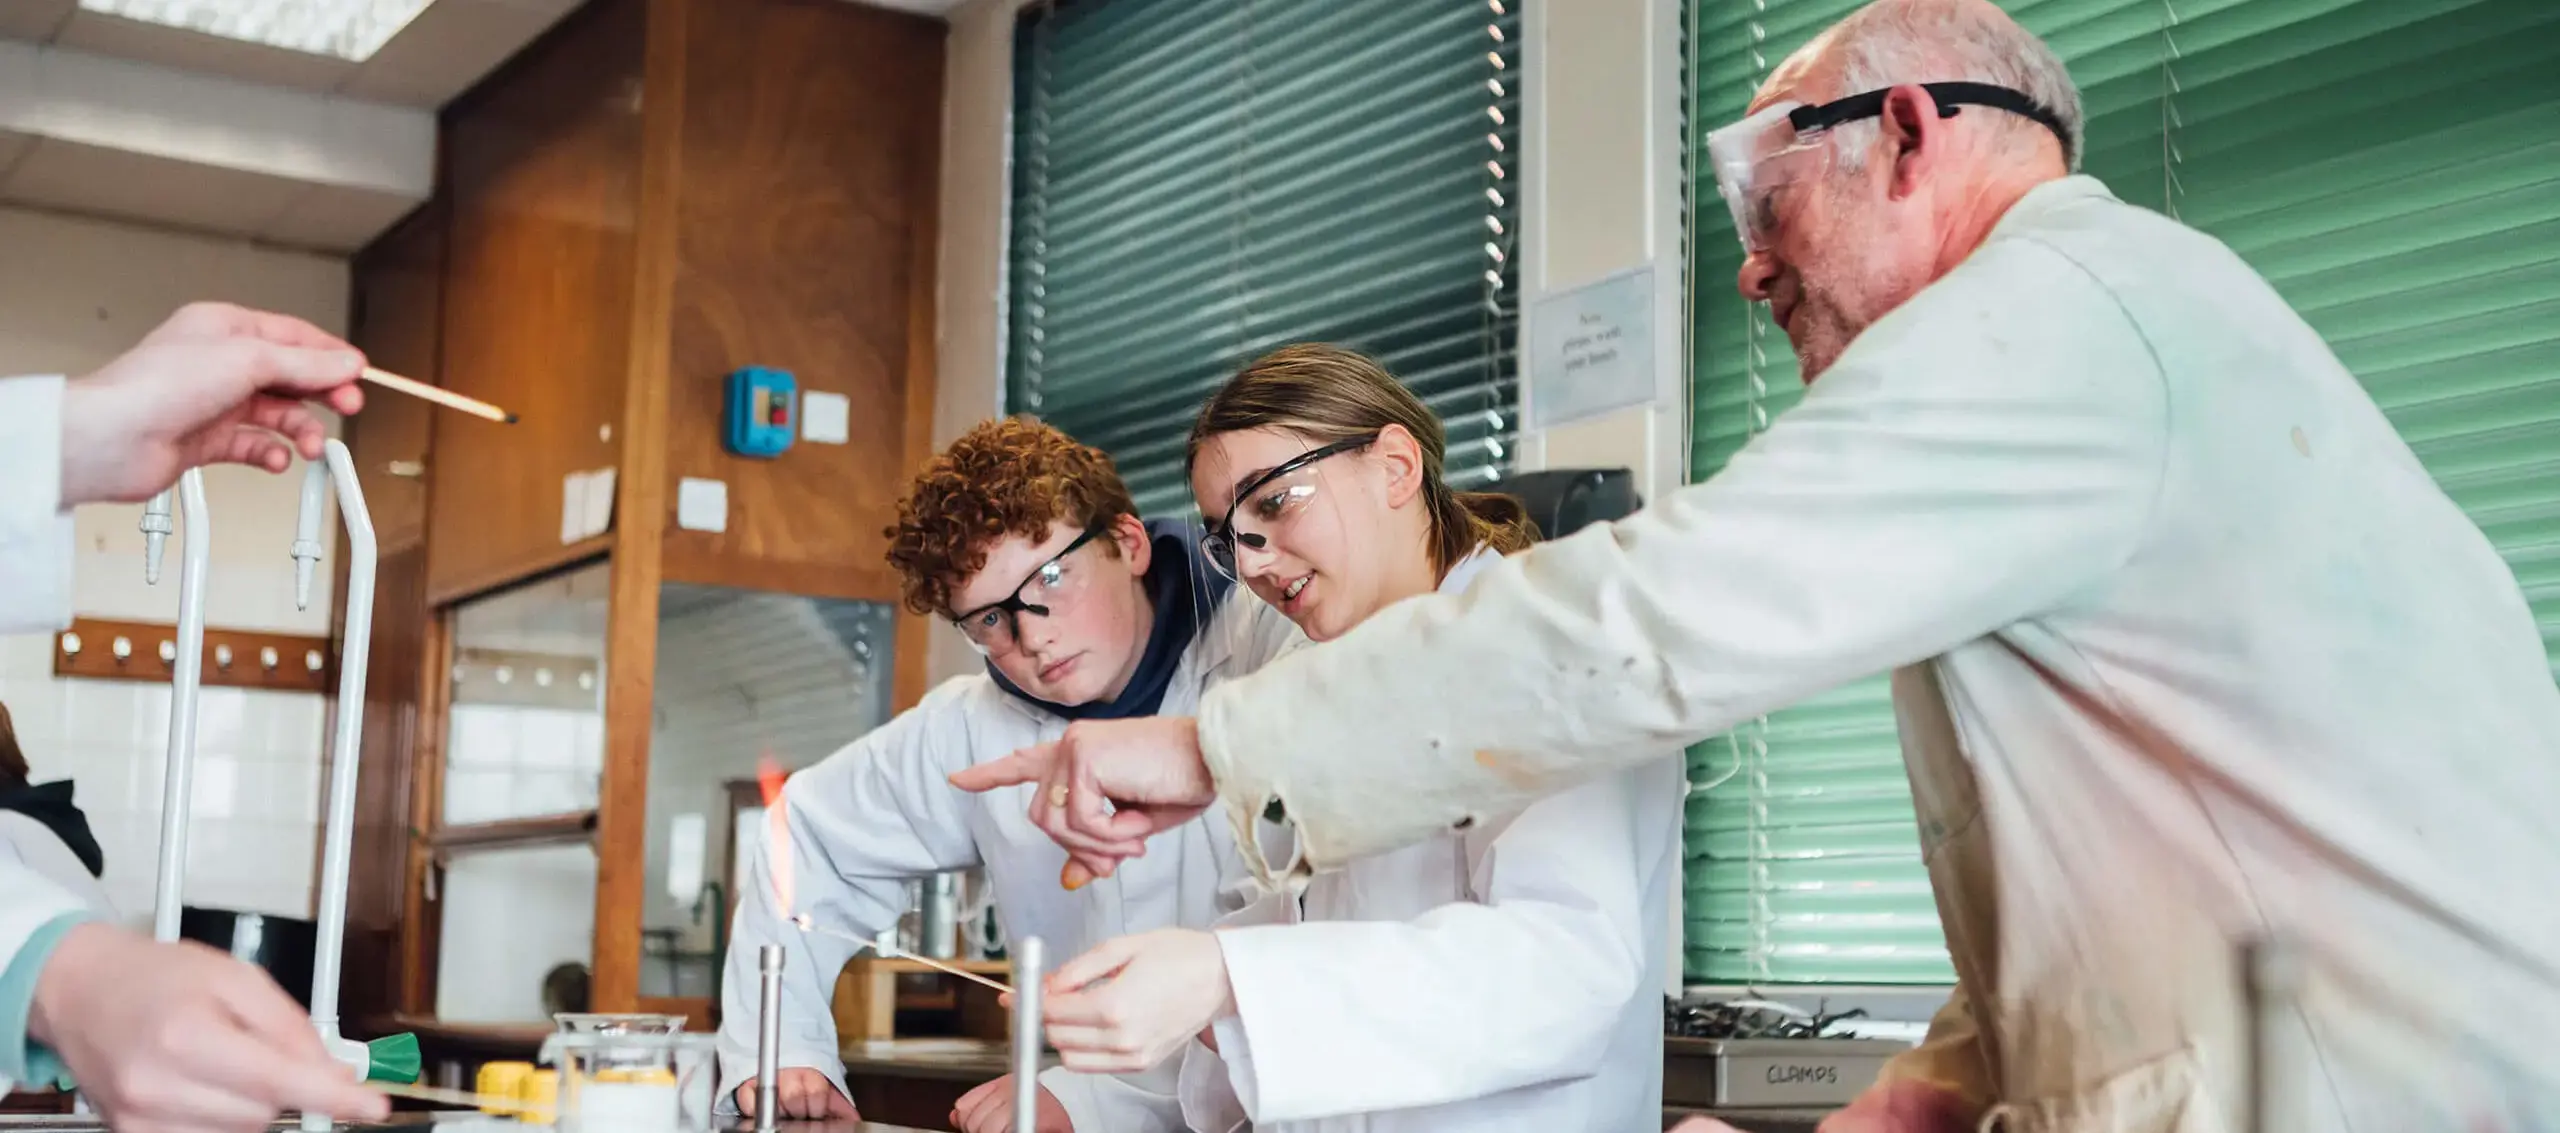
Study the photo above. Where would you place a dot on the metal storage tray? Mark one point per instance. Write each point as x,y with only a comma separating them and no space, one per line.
1771,1072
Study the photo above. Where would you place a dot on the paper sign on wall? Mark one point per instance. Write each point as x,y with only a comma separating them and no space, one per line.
702,505
586,504
1591,349
573,506
599,502
825,418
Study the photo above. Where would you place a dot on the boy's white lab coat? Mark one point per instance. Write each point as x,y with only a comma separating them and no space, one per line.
2187,646
35,597
1507,976
880,812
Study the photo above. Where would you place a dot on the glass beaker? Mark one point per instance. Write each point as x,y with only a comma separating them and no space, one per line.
633,1082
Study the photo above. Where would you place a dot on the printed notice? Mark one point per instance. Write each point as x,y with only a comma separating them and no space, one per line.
702,505
1591,349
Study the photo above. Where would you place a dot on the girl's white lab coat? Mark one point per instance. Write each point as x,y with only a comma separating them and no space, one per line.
1507,976
2188,647
35,597
880,812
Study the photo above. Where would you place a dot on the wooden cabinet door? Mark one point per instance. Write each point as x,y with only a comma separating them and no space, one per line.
543,172
398,322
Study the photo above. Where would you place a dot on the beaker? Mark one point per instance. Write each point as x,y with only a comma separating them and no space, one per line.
634,1083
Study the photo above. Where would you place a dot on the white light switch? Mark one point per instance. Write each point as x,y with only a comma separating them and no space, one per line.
599,517
825,418
702,505
573,507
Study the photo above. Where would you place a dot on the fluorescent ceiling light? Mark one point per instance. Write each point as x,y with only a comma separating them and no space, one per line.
348,29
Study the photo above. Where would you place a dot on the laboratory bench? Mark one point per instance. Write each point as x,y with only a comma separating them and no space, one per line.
916,1081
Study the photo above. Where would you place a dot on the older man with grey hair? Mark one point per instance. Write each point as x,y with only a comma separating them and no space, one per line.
2187,648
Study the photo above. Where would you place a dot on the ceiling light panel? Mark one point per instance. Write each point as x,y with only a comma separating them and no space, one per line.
346,29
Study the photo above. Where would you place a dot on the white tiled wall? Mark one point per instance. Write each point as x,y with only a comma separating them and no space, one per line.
73,293
509,917
256,791
508,761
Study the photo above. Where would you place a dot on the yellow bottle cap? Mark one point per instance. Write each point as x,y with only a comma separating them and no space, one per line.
503,1080
540,1088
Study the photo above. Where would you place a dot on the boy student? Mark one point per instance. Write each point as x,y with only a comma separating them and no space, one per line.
1031,545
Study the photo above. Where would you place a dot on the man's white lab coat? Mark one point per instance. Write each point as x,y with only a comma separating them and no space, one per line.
35,597
1507,976
880,812
2186,645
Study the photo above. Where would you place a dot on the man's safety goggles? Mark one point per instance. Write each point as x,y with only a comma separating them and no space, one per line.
1783,144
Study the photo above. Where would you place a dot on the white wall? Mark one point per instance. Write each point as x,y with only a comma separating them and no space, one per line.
73,293
1601,172
976,155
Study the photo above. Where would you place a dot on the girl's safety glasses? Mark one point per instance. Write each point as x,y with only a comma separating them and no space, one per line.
1268,502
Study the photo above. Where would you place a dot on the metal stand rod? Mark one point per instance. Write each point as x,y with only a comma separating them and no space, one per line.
346,745
346,742
177,776
1026,1034
768,1036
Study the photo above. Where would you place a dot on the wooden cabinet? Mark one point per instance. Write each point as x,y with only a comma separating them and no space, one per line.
655,193
815,257
398,322
542,177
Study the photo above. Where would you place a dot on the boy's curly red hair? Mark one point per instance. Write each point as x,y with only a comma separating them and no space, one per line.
1016,476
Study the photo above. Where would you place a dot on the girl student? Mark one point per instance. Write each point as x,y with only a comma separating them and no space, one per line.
1503,976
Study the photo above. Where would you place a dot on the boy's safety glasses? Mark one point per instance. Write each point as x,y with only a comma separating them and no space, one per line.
1055,586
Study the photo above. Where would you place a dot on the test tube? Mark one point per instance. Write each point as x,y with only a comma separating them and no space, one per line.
769,1036
1026,1033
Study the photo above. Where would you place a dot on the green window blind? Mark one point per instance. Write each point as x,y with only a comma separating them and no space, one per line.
1803,858
1196,182
2391,166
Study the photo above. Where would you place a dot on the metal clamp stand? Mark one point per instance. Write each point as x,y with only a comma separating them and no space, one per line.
354,653
768,1036
177,773
177,781
1026,1034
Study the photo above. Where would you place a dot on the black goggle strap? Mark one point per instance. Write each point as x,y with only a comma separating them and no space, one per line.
1950,97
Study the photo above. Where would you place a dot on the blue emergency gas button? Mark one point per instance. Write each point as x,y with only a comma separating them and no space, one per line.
756,413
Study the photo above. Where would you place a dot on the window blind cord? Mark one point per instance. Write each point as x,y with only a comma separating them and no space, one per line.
1500,241
1034,332
1239,194
2170,190
1762,917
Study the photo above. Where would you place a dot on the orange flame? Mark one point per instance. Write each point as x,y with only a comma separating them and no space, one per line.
777,832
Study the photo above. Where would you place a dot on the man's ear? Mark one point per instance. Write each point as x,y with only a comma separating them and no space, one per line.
1136,549
1914,136
1400,455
